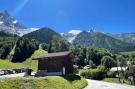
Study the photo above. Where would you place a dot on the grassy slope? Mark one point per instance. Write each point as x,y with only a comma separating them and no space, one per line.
36,83
77,81
128,53
6,64
43,83
131,54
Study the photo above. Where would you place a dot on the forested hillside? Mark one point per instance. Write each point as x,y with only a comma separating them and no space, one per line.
43,35
24,49
7,42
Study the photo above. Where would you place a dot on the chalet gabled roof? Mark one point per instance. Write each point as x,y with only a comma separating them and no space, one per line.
57,54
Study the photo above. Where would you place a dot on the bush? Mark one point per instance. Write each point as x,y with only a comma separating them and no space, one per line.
102,68
96,74
111,74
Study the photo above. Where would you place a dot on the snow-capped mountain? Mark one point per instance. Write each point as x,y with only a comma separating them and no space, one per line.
11,25
71,35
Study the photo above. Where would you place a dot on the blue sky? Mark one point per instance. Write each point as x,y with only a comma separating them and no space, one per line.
113,16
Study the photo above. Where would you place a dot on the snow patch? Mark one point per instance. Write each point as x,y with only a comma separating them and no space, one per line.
62,34
71,39
22,32
33,29
14,22
133,38
74,32
1,22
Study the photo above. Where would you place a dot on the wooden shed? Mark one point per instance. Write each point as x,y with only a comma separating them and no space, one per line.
59,63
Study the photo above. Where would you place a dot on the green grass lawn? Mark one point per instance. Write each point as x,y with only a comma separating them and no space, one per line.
44,83
115,80
7,64
77,81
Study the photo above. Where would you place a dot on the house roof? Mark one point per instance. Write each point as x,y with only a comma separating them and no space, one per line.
57,54
118,68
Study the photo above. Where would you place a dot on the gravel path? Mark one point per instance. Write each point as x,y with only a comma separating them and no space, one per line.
13,75
93,84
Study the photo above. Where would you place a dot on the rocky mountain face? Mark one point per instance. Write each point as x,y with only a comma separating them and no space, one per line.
9,24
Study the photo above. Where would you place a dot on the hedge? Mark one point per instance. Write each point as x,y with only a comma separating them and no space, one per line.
95,74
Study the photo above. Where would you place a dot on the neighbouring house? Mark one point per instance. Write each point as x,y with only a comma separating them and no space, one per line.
60,63
118,69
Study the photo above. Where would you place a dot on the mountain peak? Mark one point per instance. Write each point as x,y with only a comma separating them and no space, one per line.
4,12
93,30
9,24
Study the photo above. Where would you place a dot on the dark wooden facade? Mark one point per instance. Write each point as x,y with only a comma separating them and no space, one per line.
57,62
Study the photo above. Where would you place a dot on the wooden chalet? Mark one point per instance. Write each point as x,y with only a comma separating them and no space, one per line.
60,63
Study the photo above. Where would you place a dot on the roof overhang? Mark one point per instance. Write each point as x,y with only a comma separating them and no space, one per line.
52,55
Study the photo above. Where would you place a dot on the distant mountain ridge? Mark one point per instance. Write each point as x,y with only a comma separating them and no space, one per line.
98,39
127,37
94,38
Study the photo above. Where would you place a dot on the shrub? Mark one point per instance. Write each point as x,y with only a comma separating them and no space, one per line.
111,74
102,68
96,74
